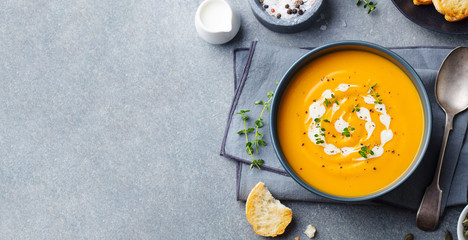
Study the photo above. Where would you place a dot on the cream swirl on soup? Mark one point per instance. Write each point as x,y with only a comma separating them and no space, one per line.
330,102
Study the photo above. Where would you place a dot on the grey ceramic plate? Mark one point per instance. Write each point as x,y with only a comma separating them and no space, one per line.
292,25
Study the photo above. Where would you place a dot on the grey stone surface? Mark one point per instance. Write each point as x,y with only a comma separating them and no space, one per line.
113,113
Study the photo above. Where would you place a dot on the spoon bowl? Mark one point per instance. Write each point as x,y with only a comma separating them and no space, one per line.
451,87
451,93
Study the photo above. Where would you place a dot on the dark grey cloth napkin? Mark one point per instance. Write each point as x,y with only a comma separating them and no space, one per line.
256,70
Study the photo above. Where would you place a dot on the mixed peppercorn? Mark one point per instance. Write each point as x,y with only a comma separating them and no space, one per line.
297,7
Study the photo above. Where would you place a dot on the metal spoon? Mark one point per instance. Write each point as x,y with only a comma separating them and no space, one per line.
452,96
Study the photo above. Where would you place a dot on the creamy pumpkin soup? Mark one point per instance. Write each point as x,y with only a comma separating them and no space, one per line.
350,123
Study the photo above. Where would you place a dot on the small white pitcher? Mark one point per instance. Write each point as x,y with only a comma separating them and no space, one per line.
216,22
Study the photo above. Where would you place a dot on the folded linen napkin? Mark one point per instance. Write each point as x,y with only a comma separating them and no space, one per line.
256,70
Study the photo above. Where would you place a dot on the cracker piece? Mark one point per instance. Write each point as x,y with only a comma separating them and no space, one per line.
438,7
267,215
454,10
422,2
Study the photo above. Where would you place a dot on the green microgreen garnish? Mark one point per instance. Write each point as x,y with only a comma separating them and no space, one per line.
259,122
365,151
245,117
372,5
326,120
249,145
374,94
371,89
318,137
327,102
333,98
258,141
347,131
356,108
336,101
257,163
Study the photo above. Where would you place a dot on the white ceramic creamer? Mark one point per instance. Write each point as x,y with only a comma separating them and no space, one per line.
216,22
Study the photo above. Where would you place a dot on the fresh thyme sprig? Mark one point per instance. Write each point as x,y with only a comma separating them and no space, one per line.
346,131
374,94
333,98
365,151
336,101
356,108
317,120
258,141
318,137
249,145
259,122
327,102
372,5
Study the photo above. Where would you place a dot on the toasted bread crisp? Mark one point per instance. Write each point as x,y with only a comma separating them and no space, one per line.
267,215
454,10
422,2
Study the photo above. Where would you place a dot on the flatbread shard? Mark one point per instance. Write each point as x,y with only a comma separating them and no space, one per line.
422,2
454,10
267,215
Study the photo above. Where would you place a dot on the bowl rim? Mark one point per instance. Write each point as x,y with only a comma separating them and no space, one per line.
462,216
356,45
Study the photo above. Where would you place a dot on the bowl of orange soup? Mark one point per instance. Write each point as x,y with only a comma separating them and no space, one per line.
350,121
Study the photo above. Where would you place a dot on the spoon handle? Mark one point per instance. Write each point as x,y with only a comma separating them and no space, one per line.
428,214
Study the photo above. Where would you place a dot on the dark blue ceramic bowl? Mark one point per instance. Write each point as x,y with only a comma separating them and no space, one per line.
292,25
340,46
